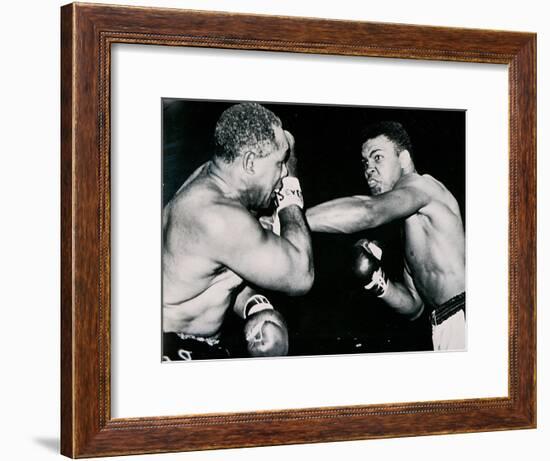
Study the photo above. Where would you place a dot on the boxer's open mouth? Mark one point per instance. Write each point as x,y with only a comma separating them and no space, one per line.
372,182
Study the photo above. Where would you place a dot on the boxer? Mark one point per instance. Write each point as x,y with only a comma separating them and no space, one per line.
215,250
433,233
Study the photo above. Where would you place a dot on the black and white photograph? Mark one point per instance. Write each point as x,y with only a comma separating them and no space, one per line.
297,277
304,230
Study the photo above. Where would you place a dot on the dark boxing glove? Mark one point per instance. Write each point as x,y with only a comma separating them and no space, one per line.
367,267
265,330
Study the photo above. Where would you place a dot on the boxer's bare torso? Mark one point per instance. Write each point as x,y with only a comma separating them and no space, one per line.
213,242
197,289
434,242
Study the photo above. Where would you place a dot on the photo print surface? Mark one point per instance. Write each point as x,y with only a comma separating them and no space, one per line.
303,230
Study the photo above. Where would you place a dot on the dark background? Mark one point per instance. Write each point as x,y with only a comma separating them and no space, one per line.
336,316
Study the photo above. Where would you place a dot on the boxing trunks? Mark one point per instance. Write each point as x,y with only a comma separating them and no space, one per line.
181,346
449,324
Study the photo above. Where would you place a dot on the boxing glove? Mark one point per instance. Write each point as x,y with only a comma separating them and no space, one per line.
265,330
289,194
367,257
271,223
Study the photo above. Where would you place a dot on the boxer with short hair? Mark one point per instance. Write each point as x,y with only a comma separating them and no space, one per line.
215,249
433,234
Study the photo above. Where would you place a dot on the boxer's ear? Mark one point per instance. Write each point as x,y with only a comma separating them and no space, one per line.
248,162
405,160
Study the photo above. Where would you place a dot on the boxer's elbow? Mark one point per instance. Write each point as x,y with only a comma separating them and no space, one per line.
302,279
300,289
307,280
417,312
414,310
403,301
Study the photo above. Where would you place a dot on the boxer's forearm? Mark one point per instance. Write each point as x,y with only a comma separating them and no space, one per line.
340,216
402,301
294,229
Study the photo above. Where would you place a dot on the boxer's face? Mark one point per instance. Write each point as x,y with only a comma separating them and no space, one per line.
270,169
381,164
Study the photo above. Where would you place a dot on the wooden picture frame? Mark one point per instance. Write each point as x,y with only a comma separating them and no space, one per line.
88,31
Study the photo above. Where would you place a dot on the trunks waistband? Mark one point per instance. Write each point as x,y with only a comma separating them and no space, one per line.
210,340
448,308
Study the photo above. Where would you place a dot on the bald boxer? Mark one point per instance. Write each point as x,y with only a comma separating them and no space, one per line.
215,250
432,228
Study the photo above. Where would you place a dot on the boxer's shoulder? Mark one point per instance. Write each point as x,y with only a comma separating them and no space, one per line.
425,185
414,181
433,185
416,186
191,201
226,219
440,192
441,201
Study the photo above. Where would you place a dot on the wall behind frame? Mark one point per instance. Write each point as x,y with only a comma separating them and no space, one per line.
29,186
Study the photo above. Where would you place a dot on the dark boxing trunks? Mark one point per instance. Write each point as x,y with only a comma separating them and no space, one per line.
448,308
180,346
